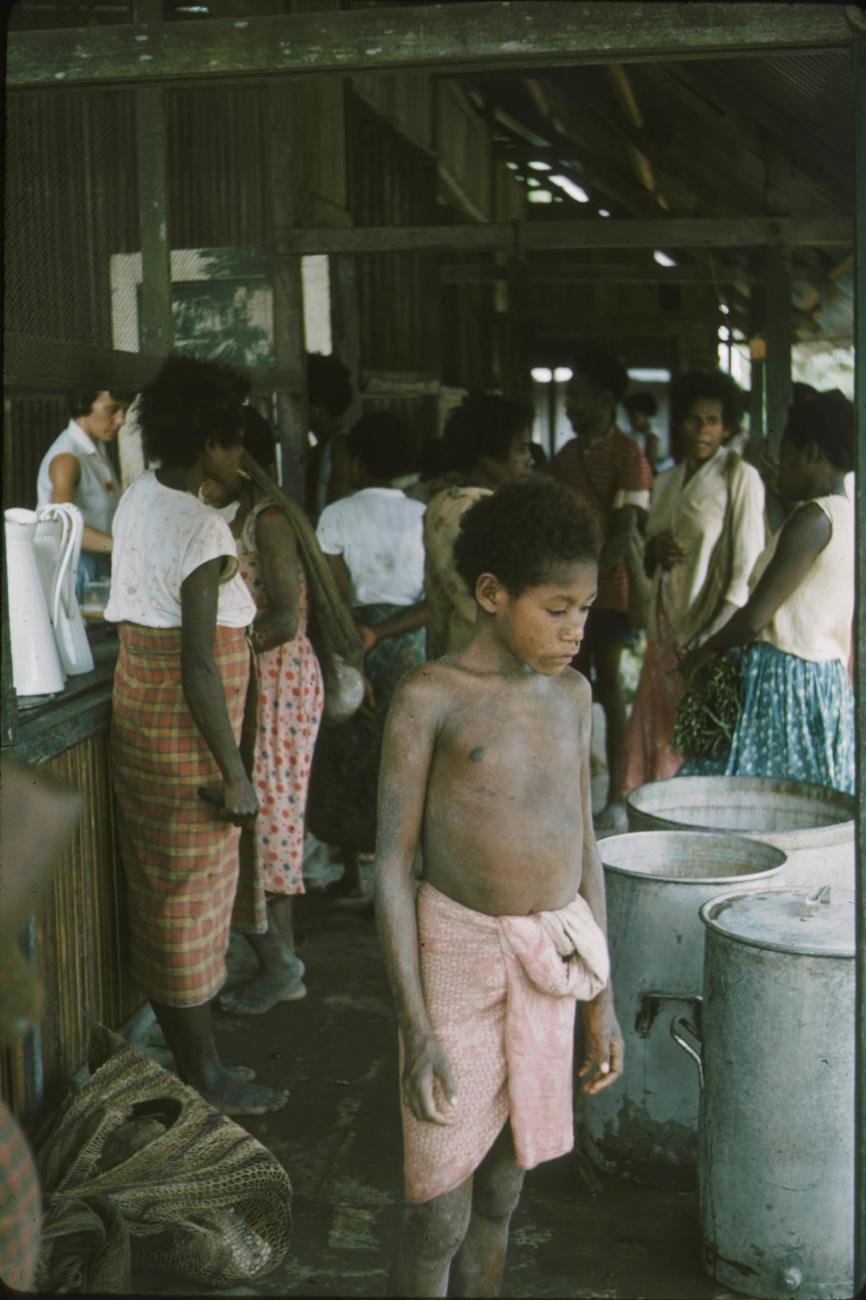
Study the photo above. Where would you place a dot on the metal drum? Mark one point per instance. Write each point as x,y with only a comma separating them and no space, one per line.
811,824
776,1143
645,1126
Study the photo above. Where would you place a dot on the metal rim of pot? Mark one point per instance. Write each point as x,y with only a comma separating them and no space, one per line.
805,789
775,858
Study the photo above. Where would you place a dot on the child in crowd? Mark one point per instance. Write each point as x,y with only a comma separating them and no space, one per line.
486,763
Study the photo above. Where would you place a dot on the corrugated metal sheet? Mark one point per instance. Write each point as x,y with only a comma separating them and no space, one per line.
463,146
32,424
392,183
811,96
80,942
217,167
405,99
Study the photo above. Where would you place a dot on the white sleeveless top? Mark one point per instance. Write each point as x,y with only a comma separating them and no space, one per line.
815,621
161,536
97,492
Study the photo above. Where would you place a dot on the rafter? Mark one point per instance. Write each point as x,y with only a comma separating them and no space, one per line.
448,38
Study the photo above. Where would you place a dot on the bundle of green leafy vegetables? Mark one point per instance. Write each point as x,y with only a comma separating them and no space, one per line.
707,710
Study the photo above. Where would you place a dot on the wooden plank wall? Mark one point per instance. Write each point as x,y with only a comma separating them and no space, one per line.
80,942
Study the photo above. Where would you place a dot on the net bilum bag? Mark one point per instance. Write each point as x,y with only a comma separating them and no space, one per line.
139,1172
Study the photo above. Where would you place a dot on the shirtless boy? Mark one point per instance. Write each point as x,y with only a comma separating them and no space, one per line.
486,761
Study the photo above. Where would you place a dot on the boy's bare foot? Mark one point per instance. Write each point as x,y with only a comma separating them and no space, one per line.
243,1073
233,1097
263,991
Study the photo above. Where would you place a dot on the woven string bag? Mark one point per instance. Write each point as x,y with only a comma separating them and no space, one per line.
140,1172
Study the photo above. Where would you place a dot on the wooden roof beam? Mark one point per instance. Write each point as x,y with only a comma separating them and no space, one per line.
486,36
515,237
578,273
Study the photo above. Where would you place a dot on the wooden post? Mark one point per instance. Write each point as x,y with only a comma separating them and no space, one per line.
344,316
780,327
151,143
757,374
289,350
859,59
551,417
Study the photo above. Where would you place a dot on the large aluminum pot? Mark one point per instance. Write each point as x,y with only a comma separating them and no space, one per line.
645,1126
811,824
776,1145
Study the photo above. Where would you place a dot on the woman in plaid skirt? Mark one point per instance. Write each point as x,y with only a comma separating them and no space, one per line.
179,696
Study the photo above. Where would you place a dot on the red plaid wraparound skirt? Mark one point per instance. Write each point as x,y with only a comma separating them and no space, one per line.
180,858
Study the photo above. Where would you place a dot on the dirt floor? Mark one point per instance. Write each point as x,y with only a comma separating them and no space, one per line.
339,1139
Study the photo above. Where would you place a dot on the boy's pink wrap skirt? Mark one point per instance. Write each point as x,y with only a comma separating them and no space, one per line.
500,992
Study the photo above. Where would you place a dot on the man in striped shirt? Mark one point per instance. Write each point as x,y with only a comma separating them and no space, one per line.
607,470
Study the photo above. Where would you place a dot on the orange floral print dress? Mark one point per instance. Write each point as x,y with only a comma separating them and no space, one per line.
291,699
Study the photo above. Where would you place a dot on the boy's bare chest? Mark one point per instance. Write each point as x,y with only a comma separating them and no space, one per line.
501,745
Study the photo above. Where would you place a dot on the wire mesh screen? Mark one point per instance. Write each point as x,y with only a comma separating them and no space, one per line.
71,204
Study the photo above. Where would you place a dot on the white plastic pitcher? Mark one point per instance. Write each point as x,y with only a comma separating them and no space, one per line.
36,665
57,543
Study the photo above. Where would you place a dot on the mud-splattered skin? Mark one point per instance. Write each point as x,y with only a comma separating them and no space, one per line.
486,755
503,824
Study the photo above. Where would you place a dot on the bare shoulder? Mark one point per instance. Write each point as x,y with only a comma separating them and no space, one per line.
273,526
424,691
577,687
809,524
64,465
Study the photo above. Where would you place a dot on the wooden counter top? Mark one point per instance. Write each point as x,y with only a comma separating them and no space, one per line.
47,728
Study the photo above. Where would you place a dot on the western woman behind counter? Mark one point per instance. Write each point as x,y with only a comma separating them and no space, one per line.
178,705
78,469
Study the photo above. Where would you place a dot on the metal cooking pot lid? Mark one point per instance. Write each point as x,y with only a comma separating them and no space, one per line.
817,922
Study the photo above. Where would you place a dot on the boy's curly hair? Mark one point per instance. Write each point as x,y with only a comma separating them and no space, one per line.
522,532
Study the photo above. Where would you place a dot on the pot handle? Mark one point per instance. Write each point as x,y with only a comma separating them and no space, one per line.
680,1024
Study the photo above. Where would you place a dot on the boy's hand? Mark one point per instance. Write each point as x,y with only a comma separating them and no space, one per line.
426,1066
603,1063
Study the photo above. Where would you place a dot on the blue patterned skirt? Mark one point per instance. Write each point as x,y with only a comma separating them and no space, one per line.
796,722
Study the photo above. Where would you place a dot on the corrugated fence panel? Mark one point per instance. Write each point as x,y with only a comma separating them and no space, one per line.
81,941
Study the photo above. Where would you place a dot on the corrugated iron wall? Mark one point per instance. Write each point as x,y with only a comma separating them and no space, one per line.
36,422
80,941
393,183
217,167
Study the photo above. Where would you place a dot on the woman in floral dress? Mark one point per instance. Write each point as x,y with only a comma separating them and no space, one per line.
290,703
